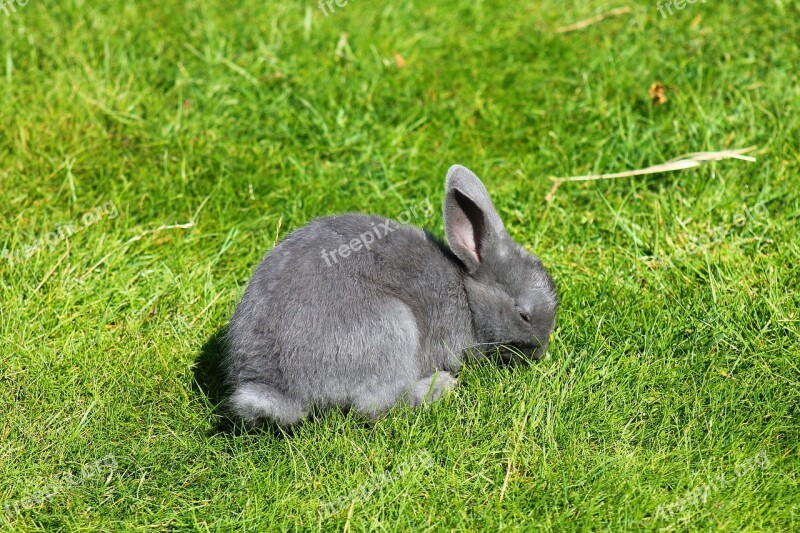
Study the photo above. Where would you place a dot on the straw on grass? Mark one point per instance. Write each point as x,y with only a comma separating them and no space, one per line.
593,20
683,162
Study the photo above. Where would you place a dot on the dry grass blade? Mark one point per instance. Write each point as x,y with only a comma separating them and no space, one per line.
683,162
594,20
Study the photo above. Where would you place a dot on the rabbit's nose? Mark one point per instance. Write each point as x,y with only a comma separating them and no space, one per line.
530,352
537,352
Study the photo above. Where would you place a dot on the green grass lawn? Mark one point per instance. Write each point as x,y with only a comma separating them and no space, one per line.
152,152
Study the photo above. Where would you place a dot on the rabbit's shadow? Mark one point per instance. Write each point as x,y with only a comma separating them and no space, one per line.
209,378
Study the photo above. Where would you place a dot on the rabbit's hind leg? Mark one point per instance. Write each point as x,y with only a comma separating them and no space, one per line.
429,389
256,403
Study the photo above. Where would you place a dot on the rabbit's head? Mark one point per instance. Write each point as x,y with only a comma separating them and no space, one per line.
511,296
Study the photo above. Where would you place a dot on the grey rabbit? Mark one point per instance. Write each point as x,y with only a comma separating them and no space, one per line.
390,320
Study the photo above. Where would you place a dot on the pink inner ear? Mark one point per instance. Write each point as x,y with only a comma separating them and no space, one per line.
467,240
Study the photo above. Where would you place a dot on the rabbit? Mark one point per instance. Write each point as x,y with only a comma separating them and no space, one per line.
391,318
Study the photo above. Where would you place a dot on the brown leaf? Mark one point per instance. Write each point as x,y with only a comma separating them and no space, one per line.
658,93
400,60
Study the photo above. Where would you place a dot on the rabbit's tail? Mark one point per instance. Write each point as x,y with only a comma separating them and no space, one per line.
256,402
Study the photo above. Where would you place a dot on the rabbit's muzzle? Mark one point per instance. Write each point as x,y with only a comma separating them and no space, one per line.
522,354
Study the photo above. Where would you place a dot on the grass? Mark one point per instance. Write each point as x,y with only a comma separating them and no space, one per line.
675,359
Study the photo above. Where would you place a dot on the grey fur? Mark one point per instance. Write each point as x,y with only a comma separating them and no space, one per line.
387,323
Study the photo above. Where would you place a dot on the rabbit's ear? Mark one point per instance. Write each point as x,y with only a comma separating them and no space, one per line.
470,221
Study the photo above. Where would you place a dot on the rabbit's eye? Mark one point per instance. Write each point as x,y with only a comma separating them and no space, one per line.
525,316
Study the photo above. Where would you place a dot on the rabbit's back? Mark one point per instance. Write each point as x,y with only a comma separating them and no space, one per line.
346,303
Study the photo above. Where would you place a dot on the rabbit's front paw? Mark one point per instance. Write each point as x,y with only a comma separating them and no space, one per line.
428,390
